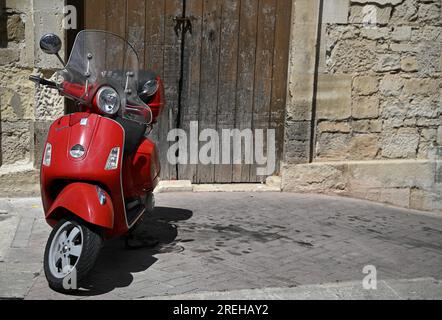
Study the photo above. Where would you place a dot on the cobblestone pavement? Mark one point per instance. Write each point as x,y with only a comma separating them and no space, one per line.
232,241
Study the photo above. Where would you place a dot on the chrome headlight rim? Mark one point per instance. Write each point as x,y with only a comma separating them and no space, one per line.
115,108
150,88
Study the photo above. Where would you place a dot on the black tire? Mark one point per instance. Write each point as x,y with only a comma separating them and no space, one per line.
150,203
92,242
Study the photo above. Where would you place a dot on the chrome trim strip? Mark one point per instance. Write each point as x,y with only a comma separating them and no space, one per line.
121,168
121,179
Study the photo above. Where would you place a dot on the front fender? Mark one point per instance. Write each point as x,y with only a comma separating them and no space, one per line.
81,199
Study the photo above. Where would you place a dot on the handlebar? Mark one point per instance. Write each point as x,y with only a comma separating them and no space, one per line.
39,80
53,85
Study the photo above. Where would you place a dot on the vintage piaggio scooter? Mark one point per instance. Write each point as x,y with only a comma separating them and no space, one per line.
99,168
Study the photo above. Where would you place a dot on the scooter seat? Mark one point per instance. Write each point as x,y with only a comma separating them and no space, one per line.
134,133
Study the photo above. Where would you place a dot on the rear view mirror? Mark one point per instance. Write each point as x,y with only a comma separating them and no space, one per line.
50,43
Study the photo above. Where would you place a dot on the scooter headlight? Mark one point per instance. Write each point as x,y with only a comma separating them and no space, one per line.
108,100
47,155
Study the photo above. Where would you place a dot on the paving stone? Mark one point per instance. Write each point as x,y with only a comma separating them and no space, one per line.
15,285
23,232
248,241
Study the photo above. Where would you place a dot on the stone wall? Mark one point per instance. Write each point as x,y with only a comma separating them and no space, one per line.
25,110
386,81
16,93
375,104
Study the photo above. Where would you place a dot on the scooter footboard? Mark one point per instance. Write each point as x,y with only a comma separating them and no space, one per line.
86,201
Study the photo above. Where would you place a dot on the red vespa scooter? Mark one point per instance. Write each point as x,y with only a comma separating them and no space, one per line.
99,170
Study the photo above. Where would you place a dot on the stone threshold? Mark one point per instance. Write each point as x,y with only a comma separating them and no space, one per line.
272,184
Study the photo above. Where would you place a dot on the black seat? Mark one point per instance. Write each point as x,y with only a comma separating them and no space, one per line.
134,133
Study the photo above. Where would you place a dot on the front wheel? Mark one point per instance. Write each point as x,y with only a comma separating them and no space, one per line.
71,252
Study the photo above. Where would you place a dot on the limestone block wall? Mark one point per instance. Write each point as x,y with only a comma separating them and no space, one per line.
25,109
379,90
16,94
367,112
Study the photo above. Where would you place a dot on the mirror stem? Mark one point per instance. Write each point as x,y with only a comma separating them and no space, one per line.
60,59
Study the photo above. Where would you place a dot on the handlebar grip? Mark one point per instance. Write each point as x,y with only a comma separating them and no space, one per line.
35,79
42,81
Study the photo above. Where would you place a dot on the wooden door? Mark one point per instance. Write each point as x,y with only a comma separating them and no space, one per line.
149,26
229,70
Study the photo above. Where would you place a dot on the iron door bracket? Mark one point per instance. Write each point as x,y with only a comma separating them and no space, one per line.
183,24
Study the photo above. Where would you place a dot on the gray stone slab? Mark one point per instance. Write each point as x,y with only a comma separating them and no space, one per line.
23,232
15,285
8,225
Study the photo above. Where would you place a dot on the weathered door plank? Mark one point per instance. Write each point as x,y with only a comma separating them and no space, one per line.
228,67
172,68
245,84
191,85
95,14
209,79
154,60
136,27
263,75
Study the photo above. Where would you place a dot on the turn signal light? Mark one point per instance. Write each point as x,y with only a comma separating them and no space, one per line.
47,155
112,160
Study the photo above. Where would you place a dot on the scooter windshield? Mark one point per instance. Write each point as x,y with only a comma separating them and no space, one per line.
101,58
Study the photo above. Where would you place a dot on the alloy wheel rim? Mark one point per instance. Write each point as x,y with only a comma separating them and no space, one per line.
65,250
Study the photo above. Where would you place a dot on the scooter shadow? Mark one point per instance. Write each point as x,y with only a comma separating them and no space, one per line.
117,263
